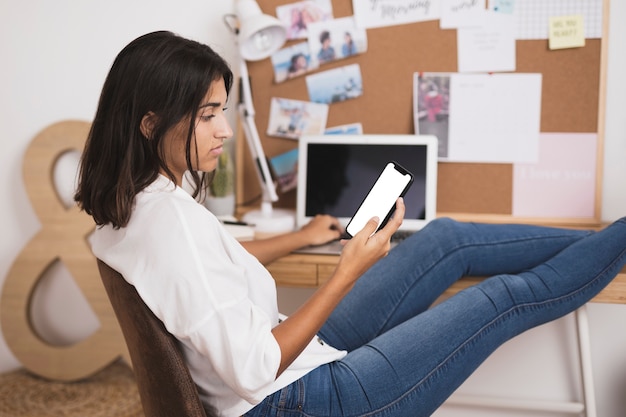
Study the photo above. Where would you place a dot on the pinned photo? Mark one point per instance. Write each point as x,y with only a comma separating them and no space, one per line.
431,107
292,62
294,118
347,129
336,39
335,85
285,170
298,16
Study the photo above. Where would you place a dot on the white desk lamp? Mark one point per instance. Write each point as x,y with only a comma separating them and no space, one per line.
258,36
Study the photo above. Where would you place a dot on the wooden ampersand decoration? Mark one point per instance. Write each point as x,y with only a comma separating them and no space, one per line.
63,238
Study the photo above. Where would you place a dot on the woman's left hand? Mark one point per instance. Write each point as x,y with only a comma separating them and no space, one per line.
321,229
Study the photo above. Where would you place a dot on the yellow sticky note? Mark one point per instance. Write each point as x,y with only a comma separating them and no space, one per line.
566,32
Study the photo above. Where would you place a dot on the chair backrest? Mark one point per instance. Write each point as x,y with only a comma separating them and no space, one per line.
163,379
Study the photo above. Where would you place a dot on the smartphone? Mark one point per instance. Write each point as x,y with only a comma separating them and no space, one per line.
393,182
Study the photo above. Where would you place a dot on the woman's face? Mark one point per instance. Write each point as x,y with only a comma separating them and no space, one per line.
301,62
211,129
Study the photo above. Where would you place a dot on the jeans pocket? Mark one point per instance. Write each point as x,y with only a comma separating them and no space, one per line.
286,402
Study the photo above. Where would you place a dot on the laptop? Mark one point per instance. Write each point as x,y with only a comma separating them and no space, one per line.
335,172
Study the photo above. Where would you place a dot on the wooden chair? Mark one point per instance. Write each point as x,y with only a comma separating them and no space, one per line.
163,379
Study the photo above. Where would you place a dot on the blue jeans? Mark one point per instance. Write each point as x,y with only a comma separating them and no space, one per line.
405,358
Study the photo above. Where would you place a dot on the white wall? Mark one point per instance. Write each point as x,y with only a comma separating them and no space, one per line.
55,56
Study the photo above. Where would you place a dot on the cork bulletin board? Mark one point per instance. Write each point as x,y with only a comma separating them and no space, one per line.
572,100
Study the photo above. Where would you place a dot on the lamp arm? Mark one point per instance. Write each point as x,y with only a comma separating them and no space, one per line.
246,112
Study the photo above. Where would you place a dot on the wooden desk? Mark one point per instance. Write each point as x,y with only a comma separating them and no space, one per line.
310,271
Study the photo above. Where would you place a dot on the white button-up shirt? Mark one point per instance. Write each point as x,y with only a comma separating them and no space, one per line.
210,293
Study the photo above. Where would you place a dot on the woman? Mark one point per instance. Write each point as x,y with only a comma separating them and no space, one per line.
366,343
298,65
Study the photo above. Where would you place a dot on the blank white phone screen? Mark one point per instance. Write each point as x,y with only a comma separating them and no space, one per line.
380,199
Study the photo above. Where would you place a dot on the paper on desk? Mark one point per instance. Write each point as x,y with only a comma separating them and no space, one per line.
562,183
494,117
240,231
489,46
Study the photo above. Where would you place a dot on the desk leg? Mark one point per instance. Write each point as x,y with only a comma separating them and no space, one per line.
586,406
584,346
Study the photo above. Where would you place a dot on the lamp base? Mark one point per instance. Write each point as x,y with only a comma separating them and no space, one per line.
271,221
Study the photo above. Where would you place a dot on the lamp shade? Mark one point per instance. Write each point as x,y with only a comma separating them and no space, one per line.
260,35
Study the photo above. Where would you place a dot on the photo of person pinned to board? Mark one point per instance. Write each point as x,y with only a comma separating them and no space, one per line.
336,39
298,16
294,118
335,85
292,62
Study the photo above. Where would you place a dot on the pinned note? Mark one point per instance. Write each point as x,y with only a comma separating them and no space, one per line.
379,13
555,186
566,32
460,13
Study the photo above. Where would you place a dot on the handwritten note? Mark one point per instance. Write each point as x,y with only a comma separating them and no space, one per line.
489,47
380,13
566,32
460,13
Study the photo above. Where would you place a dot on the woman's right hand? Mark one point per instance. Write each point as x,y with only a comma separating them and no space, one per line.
361,252
366,247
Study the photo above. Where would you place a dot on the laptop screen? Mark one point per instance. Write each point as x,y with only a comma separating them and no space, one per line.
335,172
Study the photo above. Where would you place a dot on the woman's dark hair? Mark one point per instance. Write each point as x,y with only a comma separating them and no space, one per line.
293,66
159,73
